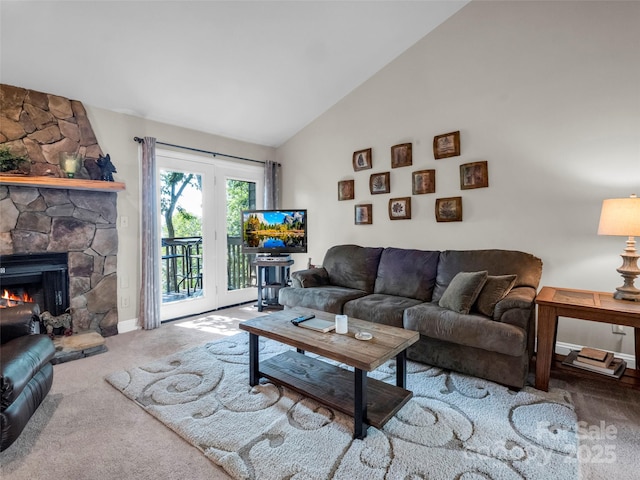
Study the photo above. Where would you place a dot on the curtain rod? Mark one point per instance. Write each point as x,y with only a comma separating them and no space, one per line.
215,154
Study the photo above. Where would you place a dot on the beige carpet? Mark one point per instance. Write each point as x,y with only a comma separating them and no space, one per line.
454,427
87,430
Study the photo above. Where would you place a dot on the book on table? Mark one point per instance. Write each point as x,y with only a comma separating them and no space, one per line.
318,324
593,353
615,368
597,363
595,357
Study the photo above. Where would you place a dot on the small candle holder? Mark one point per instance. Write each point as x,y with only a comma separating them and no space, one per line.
70,163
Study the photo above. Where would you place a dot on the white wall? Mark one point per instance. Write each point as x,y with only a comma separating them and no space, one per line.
547,92
115,134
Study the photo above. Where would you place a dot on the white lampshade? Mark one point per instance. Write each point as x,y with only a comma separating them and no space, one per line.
620,216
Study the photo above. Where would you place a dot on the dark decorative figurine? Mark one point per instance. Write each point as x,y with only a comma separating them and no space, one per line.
107,168
61,321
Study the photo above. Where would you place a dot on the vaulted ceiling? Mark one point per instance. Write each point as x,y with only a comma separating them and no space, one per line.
257,71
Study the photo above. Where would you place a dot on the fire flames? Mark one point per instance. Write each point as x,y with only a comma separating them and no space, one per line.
11,299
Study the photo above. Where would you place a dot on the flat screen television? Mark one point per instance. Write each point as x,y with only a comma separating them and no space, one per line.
274,232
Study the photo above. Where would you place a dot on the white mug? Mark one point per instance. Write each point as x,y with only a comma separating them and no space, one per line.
341,324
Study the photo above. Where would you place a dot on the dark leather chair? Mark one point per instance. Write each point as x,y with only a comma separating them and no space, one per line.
26,373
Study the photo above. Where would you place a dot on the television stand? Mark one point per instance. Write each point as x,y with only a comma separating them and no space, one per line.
272,275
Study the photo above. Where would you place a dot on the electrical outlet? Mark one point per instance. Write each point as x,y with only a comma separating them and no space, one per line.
618,329
124,221
124,302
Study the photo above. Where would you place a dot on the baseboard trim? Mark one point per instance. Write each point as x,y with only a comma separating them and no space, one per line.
564,348
128,326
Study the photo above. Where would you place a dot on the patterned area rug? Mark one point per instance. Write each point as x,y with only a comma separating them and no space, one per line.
454,427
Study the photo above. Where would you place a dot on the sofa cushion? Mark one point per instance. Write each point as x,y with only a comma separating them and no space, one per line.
328,299
463,290
379,308
495,289
407,273
527,267
472,330
352,266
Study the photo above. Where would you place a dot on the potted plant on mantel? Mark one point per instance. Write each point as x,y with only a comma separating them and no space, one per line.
12,164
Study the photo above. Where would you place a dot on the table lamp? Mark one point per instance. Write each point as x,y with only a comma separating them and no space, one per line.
621,216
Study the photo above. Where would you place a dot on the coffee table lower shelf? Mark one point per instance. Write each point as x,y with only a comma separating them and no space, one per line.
333,386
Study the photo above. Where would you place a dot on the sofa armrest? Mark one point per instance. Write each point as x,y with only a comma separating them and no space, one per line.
21,359
516,307
519,297
19,321
313,277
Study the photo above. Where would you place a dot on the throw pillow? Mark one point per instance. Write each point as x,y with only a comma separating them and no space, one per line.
463,291
494,290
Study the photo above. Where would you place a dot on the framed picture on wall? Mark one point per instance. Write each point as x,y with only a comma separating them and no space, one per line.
449,209
379,183
401,155
423,181
400,208
363,214
362,160
346,190
474,175
446,145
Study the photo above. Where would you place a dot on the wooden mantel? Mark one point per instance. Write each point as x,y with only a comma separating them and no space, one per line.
68,183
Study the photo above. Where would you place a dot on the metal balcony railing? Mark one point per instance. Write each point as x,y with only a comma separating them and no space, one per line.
182,264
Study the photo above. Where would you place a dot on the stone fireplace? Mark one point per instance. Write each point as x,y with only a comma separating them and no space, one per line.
45,213
78,223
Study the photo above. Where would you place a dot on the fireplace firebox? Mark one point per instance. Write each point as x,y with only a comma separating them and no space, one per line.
41,278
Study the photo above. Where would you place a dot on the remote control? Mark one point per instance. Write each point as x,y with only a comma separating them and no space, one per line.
302,318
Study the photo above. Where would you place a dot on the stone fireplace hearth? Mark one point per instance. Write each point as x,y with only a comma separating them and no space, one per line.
80,223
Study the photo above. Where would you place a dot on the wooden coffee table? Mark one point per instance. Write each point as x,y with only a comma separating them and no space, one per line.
367,400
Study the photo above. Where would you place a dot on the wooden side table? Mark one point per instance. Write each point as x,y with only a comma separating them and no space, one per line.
582,304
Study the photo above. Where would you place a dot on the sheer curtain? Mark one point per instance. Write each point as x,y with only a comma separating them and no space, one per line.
149,314
271,185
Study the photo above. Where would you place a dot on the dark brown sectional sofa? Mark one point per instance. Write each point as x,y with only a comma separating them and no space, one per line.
481,322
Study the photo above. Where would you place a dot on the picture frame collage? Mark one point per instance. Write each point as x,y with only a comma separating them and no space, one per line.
472,175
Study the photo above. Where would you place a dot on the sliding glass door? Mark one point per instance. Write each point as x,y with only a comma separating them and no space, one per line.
201,263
